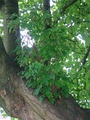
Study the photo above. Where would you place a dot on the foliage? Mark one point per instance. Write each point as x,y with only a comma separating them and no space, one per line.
53,65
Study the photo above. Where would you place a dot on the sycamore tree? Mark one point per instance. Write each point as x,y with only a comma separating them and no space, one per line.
45,75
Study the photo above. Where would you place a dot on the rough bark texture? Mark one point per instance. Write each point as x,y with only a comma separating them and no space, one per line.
11,31
19,101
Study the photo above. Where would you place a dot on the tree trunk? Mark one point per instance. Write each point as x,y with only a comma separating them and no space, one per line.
19,101
16,99
11,30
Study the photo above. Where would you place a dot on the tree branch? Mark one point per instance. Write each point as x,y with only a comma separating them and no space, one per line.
11,31
46,14
84,60
47,19
2,49
68,4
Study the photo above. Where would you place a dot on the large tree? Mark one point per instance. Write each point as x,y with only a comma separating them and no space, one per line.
50,79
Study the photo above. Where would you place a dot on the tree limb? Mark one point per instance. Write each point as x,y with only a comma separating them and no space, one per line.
84,60
47,19
2,49
11,30
46,14
68,4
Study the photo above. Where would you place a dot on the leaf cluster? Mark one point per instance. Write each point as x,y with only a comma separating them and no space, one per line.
51,65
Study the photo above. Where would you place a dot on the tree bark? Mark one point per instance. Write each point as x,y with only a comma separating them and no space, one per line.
11,30
18,100
46,14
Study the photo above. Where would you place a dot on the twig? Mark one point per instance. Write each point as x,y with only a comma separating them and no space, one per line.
85,58
68,4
